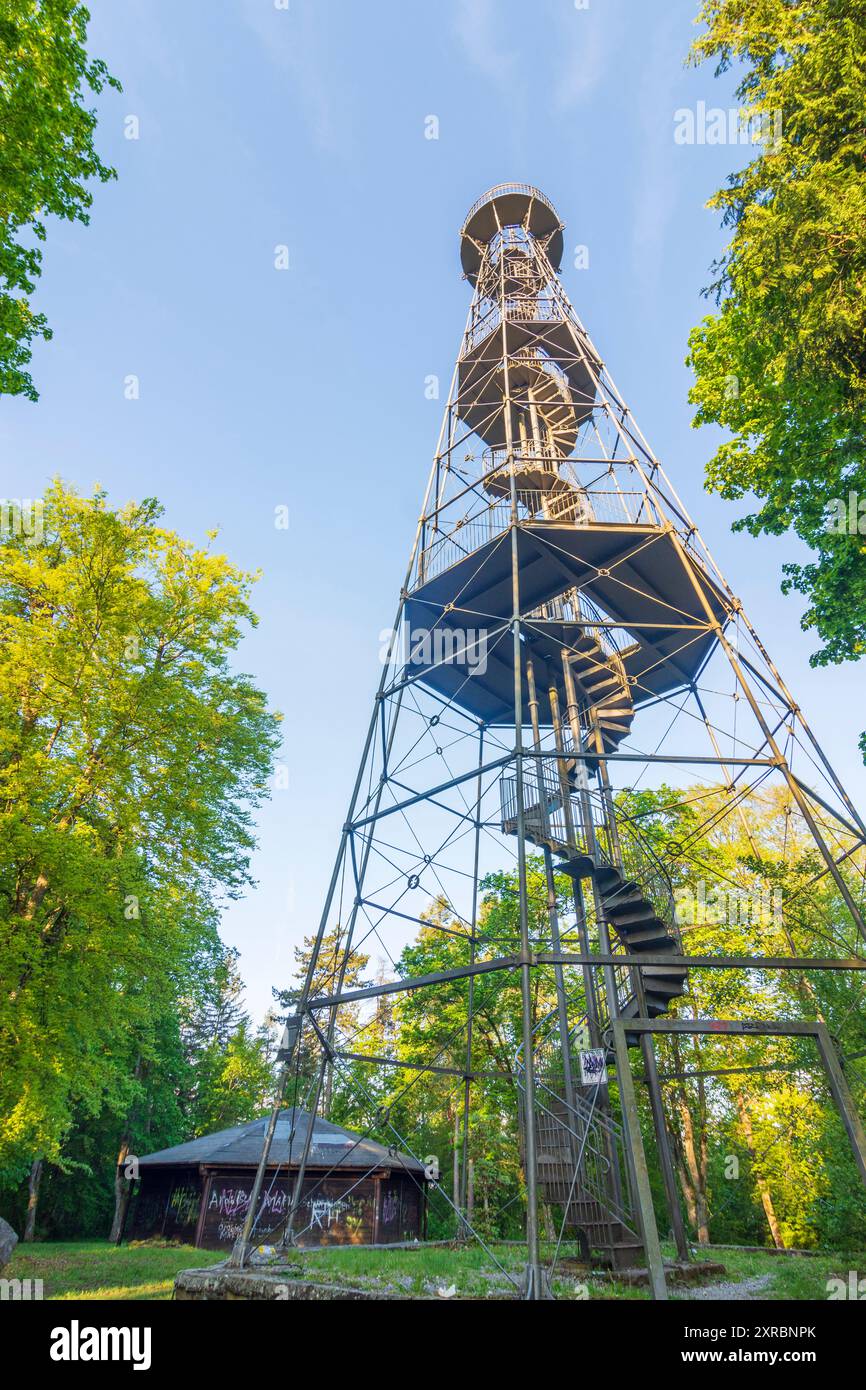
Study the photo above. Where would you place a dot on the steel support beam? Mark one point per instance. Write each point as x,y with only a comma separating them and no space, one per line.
463,972
643,1192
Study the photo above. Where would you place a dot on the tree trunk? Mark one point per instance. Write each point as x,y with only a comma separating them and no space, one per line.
122,1184
692,1171
32,1199
688,1132
456,1164
122,1193
763,1188
470,1191
547,1221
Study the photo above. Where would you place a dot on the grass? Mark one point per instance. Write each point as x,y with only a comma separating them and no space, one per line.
792,1277
146,1270
94,1269
420,1271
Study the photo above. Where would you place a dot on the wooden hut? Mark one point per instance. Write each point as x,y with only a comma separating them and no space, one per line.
356,1192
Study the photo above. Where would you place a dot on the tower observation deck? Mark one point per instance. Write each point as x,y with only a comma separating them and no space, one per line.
552,452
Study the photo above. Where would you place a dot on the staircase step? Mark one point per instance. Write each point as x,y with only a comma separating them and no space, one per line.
608,879
627,888
577,866
658,1004
626,894
629,913
644,939
599,690
662,979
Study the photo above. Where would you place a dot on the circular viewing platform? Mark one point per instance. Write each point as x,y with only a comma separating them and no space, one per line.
509,205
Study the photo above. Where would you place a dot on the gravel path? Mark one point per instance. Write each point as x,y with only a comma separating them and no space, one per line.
742,1292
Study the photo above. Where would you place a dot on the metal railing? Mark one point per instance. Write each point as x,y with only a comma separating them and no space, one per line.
581,1148
574,607
532,451
541,308
581,823
591,507
501,190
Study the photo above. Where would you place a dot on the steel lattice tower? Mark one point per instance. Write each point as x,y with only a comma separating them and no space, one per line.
561,632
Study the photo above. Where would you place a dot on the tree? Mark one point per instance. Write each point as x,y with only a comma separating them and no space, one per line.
47,158
431,1030
751,883
230,1075
781,365
340,966
131,759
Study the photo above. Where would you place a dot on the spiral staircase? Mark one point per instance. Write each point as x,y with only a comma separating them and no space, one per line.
581,1151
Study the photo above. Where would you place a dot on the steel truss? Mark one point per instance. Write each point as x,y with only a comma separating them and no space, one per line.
562,634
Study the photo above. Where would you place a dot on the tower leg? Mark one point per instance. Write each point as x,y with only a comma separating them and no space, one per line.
663,1142
842,1096
631,1121
463,1202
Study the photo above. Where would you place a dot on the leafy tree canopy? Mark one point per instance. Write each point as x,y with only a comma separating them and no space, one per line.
781,365
47,158
131,758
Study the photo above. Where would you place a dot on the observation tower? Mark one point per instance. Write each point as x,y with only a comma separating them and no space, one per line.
562,639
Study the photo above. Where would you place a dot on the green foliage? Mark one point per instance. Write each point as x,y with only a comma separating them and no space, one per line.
424,1109
131,758
227,1060
338,967
47,158
791,1164
782,364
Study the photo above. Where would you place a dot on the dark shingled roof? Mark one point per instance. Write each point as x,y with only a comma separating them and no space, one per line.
241,1147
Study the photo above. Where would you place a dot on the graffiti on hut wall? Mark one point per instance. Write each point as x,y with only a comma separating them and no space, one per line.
183,1205
325,1214
333,1211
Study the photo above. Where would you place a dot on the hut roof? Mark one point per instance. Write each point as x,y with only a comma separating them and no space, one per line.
241,1147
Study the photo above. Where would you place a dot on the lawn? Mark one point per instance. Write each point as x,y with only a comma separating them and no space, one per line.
94,1269
430,1271
146,1270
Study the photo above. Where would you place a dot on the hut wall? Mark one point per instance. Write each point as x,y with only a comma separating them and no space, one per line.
179,1204
167,1205
401,1209
334,1214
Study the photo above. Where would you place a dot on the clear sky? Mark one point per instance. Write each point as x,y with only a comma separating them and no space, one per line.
261,126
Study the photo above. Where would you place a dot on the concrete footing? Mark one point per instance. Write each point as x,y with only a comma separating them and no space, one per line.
257,1285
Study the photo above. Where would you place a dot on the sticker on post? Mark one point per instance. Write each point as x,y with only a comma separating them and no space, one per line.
593,1070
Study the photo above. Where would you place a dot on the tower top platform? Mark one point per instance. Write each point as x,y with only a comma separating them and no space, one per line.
509,205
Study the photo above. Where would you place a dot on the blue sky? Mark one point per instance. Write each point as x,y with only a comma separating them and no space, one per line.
304,127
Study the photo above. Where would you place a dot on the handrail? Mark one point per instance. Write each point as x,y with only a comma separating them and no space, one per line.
606,507
552,821
537,308
501,190
574,607
600,1139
